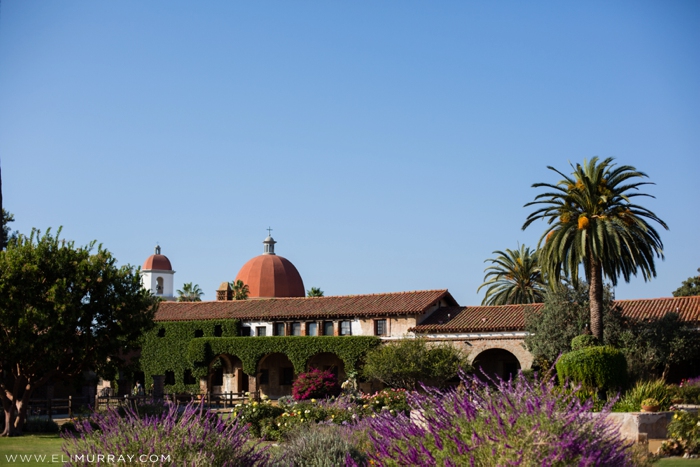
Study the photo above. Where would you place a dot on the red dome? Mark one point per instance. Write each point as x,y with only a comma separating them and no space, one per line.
271,276
160,262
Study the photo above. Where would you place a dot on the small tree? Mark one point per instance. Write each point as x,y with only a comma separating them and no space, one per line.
408,362
63,310
565,315
690,287
654,347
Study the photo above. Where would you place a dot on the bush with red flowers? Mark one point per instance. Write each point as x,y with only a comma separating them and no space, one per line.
315,384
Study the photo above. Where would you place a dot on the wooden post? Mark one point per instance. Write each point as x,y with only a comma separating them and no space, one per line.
70,406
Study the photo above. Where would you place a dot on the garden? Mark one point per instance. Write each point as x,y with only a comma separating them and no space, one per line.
529,420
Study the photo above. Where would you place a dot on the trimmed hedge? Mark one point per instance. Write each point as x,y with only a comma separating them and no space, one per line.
595,368
297,348
169,352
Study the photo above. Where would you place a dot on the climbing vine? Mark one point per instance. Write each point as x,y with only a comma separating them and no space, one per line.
297,348
164,348
187,348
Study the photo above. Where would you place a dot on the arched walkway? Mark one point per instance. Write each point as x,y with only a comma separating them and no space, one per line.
496,363
275,375
226,375
328,361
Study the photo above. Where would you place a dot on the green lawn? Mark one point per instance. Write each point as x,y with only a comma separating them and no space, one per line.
28,450
677,462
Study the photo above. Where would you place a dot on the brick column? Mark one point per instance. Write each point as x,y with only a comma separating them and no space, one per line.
252,384
336,328
303,328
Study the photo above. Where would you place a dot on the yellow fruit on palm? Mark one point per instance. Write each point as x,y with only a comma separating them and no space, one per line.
582,222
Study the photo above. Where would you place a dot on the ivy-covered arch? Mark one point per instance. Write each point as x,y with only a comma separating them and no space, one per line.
164,348
297,348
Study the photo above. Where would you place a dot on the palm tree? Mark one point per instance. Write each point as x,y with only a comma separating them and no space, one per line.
513,277
593,222
240,290
190,293
314,292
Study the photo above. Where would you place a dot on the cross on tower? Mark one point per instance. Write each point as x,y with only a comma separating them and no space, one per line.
268,231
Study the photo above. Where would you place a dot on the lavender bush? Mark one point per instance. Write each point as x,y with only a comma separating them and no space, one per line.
194,437
514,423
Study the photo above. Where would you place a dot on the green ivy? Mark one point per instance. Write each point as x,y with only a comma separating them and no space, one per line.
169,353
297,348
178,350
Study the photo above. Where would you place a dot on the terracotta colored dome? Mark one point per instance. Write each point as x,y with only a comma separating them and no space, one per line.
157,261
271,276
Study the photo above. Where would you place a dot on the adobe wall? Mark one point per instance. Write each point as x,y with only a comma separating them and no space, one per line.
514,345
397,327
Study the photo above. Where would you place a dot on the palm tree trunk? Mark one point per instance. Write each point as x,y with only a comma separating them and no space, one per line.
595,296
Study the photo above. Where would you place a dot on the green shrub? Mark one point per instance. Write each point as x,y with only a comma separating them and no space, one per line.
583,341
688,392
406,363
320,446
631,401
600,368
40,425
256,415
684,431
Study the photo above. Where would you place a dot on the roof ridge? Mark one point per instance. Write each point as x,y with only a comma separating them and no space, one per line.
653,299
410,292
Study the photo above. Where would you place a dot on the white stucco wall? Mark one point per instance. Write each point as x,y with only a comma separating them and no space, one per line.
149,279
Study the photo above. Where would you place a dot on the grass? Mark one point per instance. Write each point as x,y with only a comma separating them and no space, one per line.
49,445
28,450
677,462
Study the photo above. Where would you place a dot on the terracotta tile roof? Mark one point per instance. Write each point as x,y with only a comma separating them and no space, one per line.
512,317
687,307
401,303
476,319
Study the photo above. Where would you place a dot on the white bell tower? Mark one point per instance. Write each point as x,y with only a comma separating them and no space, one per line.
157,275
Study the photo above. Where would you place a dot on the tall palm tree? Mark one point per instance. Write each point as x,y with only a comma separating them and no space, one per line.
240,290
513,277
592,221
190,293
314,292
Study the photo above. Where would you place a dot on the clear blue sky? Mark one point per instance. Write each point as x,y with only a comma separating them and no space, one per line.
390,145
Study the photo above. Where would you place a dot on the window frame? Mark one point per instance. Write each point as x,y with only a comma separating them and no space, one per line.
308,328
332,325
383,323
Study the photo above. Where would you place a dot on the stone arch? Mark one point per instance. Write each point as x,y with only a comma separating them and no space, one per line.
328,361
514,346
227,376
275,375
496,362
